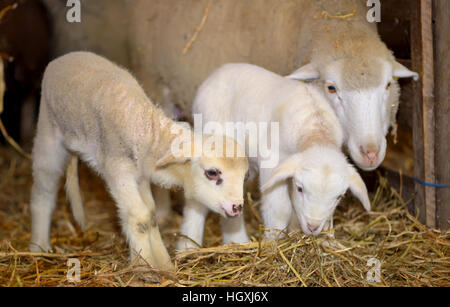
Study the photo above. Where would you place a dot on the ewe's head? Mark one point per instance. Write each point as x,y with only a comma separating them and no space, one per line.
364,94
215,173
318,178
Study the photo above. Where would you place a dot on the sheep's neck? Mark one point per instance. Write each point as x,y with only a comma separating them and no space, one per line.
317,138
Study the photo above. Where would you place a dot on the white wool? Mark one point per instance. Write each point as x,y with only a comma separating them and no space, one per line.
310,143
93,109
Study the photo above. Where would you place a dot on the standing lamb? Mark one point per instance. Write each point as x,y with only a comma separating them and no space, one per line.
354,67
314,173
96,110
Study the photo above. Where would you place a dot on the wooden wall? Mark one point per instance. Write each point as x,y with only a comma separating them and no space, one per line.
418,33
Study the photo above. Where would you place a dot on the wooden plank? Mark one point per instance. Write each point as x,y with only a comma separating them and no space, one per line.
418,148
442,104
428,125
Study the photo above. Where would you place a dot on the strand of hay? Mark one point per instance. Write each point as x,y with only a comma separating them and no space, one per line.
11,141
325,14
197,29
7,8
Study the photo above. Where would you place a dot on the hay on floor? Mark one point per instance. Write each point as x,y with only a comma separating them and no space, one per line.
409,253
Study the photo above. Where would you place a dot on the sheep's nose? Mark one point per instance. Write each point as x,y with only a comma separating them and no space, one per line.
237,208
370,154
312,227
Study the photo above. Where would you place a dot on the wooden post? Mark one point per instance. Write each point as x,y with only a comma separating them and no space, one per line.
441,10
428,125
418,208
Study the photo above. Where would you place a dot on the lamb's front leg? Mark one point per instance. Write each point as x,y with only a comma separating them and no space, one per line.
233,230
194,216
276,208
157,245
329,227
135,215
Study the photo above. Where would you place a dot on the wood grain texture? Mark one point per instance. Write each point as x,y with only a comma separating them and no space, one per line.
428,124
442,108
418,148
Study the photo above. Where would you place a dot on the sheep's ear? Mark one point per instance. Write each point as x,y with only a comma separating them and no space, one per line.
169,159
307,72
358,188
282,172
401,71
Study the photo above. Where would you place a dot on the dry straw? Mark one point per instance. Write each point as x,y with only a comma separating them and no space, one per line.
410,254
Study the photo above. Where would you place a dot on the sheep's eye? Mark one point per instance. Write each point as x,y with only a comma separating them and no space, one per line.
300,189
213,174
388,85
331,89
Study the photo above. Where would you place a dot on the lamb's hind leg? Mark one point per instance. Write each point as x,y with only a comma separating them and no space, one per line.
49,160
163,207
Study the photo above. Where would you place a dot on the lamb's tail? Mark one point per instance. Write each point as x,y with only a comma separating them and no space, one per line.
73,192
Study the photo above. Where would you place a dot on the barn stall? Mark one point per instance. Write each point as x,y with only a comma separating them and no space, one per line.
407,230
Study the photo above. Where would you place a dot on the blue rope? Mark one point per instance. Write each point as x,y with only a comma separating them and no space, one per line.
428,184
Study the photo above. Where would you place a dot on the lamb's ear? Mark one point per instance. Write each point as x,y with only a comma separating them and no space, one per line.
401,71
282,172
169,159
358,187
307,72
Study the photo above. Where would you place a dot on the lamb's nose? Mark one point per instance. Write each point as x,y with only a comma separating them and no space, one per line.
311,227
237,208
370,154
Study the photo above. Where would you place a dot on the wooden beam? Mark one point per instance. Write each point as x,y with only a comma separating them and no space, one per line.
441,10
418,144
428,125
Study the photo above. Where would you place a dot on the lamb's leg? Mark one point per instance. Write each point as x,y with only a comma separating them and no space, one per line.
135,215
276,209
49,160
233,230
329,227
157,245
330,241
163,207
194,216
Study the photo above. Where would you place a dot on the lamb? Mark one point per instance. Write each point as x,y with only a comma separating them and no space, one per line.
345,54
93,109
314,173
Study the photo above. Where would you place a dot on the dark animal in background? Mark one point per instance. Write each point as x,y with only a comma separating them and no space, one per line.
25,48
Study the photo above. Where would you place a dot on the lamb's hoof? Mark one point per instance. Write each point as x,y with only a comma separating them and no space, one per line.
167,266
332,243
40,248
236,240
184,244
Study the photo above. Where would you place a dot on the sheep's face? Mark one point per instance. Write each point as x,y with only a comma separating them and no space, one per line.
318,178
217,179
364,94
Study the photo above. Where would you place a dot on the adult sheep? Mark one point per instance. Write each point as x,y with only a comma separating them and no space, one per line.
326,40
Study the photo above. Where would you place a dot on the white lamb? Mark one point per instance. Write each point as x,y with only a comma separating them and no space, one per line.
94,109
314,173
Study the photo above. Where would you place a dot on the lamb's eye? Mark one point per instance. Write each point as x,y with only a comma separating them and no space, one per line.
331,89
212,174
388,85
300,189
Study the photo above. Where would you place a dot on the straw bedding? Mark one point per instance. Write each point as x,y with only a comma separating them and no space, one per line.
409,253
